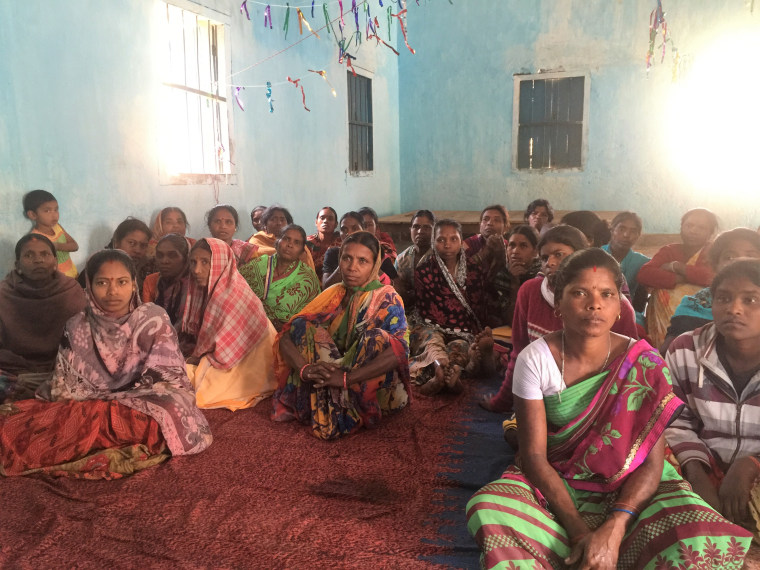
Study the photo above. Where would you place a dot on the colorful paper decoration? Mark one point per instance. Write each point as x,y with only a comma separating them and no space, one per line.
268,16
297,83
302,21
244,6
323,73
237,98
269,96
403,29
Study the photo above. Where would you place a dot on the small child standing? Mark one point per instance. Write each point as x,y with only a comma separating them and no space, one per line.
41,207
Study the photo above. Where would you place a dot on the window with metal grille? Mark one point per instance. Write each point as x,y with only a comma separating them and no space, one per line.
195,130
359,123
550,121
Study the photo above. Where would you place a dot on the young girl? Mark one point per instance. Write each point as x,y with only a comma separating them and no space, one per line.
41,207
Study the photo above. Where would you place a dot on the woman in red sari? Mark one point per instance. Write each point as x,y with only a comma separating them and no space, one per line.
590,484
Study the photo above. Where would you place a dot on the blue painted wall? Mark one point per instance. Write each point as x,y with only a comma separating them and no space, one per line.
79,116
456,106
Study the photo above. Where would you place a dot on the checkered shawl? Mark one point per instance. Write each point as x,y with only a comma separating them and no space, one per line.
227,319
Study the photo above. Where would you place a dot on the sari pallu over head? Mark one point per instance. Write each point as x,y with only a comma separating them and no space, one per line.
134,359
611,437
226,319
368,308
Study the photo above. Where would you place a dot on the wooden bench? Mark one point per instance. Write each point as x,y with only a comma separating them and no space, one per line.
398,227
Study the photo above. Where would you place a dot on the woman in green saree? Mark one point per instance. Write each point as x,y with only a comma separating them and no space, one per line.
283,282
590,488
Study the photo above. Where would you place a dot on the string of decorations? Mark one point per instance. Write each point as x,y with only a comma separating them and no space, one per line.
658,26
343,43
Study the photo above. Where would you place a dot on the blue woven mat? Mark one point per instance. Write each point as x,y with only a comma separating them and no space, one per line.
478,456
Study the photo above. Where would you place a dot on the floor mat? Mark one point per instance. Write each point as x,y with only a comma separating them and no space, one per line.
477,455
264,495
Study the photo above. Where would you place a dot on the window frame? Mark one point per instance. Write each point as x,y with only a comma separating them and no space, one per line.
218,12
518,79
369,76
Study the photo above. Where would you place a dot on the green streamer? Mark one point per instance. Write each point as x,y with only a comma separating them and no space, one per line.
327,19
390,22
287,20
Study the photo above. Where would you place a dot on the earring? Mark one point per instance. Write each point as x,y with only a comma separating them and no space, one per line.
557,313
618,318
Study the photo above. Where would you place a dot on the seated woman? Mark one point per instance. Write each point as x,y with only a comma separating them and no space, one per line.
342,362
120,396
695,310
170,220
535,314
350,223
716,371
168,287
421,232
131,236
372,225
256,218
222,221
522,264
325,238
625,230
36,300
590,487
489,248
594,228
225,334
539,215
678,269
274,219
446,336
284,283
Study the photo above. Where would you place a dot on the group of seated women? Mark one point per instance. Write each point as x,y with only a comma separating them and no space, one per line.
319,322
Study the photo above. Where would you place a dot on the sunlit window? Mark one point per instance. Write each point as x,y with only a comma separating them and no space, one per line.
360,139
195,133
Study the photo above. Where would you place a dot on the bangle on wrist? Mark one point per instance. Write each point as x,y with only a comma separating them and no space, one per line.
300,373
345,377
625,508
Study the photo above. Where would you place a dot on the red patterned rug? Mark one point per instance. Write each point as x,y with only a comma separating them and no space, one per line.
264,495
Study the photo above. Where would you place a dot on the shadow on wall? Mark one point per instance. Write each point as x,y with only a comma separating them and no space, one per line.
99,237
7,257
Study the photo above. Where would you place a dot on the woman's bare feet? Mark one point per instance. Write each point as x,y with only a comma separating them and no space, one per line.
453,378
437,382
482,361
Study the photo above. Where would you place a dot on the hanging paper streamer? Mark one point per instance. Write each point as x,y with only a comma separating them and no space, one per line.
355,10
287,21
340,7
327,19
269,96
657,23
237,98
297,83
323,73
390,22
268,16
381,3
350,65
312,9
302,21
403,29
382,41
244,6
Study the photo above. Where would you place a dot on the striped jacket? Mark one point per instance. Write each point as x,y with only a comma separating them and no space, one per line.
716,420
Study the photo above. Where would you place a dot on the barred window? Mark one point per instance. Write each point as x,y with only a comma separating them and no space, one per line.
195,130
550,116
359,123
